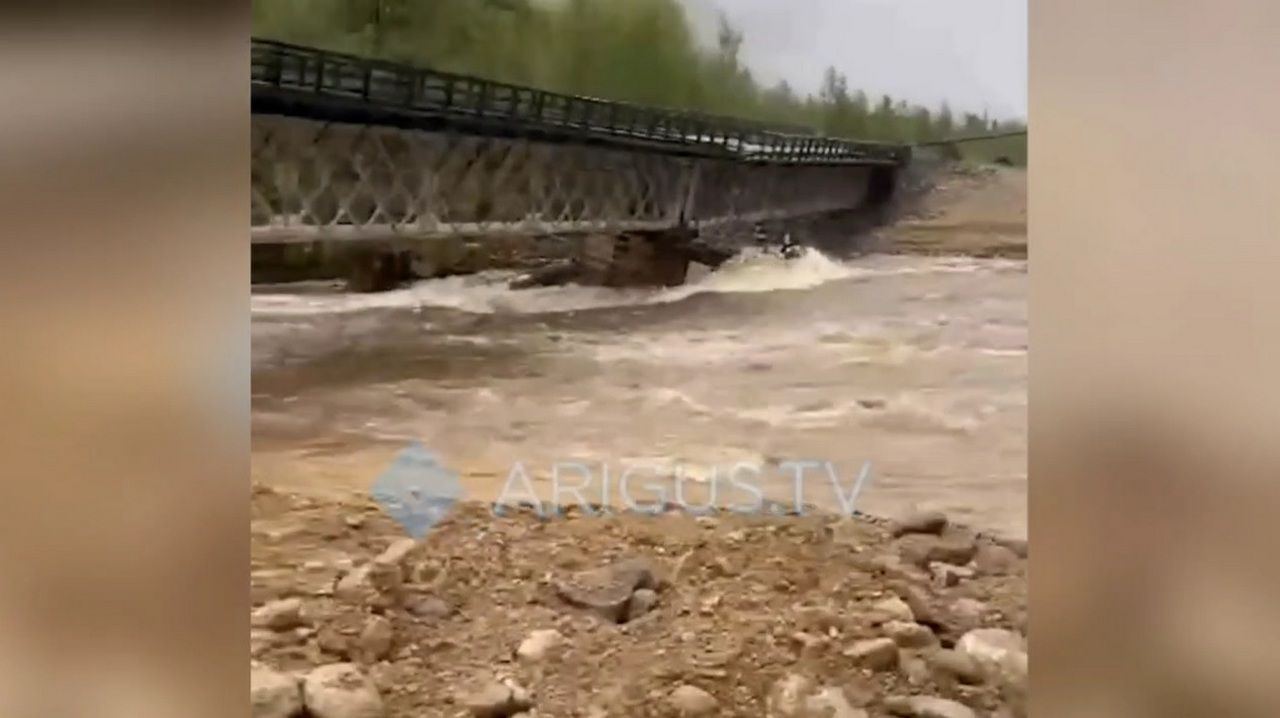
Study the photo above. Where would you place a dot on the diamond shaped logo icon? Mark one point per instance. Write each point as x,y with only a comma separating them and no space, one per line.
417,490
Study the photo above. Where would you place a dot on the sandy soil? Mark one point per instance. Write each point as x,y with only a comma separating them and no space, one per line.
976,211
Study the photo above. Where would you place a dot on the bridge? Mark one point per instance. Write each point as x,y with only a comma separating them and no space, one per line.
350,149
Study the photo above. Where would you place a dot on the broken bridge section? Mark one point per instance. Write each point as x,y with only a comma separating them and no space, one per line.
347,149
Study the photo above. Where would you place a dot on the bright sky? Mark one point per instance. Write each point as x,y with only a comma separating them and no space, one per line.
970,53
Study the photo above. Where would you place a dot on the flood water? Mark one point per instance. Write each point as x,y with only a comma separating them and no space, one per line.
914,366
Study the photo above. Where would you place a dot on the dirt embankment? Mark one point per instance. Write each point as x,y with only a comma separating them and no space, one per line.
630,615
973,210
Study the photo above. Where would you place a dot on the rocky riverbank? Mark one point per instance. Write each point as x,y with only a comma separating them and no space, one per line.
630,615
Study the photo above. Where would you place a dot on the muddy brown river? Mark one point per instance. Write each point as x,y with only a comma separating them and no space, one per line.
909,371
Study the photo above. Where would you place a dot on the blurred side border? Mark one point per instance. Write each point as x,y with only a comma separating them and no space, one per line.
124,380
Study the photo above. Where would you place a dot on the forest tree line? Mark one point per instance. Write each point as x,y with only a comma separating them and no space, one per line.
641,51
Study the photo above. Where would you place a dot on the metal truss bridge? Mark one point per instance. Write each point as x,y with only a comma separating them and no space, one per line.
348,148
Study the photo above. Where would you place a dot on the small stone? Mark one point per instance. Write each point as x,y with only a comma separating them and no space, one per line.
927,707
895,609
946,575
430,607
914,668
956,666
921,551
994,560
636,572
378,583
386,579
642,601
831,703
273,694
1018,546
397,553
819,619
354,521
861,691
354,586
607,591
894,568
877,654
1001,654
910,635
519,696
690,700
809,643
920,603
279,615
332,640
261,639
538,644
991,642
914,550
496,700
375,639
954,548
340,690
969,610
787,697
491,701
923,522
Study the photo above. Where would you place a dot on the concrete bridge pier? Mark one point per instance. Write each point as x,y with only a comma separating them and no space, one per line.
377,269
636,259
659,258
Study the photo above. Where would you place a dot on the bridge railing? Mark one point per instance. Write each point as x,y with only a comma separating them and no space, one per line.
391,85
981,137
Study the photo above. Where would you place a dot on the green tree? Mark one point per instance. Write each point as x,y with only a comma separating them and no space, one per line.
642,51
921,125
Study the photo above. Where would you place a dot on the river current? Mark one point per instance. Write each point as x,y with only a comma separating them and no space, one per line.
910,370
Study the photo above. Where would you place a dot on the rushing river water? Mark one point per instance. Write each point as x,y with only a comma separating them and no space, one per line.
917,365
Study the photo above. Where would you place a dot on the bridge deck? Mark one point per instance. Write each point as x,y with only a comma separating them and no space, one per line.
321,85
